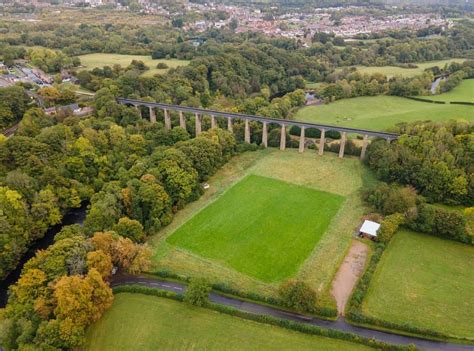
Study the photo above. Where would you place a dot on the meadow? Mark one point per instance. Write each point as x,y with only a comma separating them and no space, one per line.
91,61
391,71
318,262
381,112
463,92
425,281
141,322
261,227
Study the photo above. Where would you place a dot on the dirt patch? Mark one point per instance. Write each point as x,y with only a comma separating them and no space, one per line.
348,273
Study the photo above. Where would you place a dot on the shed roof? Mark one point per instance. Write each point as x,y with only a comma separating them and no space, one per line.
370,228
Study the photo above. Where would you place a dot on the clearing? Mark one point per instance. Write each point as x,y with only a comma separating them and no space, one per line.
170,325
381,112
427,282
463,92
261,227
91,61
391,71
318,262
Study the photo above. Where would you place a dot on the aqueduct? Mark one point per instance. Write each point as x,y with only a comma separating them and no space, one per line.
284,123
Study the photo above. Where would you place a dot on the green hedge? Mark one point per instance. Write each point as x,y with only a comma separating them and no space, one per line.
325,312
356,315
425,100
287,324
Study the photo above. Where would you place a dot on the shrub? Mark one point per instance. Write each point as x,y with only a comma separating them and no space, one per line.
298,296
161,65
440,222
389,227
197,292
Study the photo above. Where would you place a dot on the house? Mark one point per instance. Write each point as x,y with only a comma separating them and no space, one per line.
369,229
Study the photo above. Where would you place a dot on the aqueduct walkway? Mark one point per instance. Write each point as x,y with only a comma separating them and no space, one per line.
284,123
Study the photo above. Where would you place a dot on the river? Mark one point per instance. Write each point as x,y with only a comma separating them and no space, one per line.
73,216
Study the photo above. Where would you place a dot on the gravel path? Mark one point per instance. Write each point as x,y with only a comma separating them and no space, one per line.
348,274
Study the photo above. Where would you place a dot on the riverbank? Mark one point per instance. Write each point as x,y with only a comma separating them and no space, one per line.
73,216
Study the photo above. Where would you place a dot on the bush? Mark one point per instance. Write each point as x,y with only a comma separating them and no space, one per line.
162,65
197,292
298,295
389,227
440,222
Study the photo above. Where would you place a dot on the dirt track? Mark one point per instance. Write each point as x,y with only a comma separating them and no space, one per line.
348,273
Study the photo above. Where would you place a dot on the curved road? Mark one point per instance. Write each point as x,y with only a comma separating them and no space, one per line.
256,308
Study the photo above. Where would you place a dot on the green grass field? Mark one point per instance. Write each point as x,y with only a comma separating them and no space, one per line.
327,173
140,322
463,92
91,61
391,71
427,282
261,227
381,112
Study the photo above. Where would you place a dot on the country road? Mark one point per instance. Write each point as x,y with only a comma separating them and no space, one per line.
256,308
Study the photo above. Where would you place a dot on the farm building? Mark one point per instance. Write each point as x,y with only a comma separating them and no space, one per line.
369,229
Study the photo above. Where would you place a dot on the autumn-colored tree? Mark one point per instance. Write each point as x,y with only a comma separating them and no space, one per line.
129,228
101,262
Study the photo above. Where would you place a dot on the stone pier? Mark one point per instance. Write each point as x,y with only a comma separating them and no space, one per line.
213,122
182,120
301,149
197,124
229,125
152,114
167,119
265,134
365,142
283,137
247,131
342,145
322,141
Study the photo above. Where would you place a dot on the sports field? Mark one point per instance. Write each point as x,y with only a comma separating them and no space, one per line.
141,322
391,71
261,227
91,61
326,249
463,92
381,112
426,282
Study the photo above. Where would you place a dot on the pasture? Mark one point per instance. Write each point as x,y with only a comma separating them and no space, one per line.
381,112
391,71
316,264
91,61
424,281
141,322
261,227
463,92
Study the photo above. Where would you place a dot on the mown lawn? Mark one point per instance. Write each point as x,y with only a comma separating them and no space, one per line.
91,61
381,112
391,71
140,322
328,173
262,227
425,281
463,92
